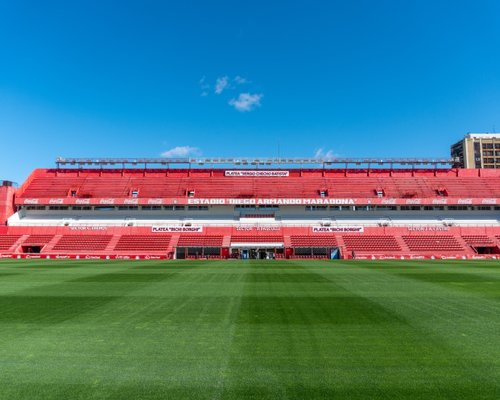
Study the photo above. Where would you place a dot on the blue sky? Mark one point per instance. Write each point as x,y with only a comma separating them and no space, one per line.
138,79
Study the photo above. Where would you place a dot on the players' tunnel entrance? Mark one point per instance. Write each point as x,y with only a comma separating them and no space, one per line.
32,249
257,253
486,249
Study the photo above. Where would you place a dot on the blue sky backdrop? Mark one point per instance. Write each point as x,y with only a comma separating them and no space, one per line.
227,78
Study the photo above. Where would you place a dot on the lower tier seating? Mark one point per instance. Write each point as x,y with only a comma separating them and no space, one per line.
478,240
7,241
372,243
200,241
313,241
433,243
82,243
38,239
257,239
158,243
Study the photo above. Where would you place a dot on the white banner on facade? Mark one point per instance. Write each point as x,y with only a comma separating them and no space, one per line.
338,229
176,229
257,173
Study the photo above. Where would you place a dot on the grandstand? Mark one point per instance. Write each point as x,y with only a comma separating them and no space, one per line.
252,208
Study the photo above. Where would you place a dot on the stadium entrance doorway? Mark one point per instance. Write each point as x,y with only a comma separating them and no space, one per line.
256,253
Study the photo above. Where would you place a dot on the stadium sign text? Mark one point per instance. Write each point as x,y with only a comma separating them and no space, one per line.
428,228
258,228
176,229
56,201
30,201
338,229
272,174
298,202
88,228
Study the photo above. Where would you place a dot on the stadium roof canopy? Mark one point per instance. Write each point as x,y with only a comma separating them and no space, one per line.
253,162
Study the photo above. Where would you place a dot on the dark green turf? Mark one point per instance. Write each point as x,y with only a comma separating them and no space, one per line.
249,330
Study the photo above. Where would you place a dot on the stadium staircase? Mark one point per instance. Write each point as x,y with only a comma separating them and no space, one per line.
287,240
112,243
226,242
402,244
50,245
174,240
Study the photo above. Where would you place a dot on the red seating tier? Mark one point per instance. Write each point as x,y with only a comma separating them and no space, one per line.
38,239
313,241
478,240
200,241
7,241
213,183
371,243
433,243
158,243
256,239
82,243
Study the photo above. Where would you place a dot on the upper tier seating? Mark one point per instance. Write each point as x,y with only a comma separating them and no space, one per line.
433,243
7,241
82,243
478,240
157,243
313,241
92,183
371,243
200,241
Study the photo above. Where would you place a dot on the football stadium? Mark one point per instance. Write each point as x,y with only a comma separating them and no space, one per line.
251,278
248,209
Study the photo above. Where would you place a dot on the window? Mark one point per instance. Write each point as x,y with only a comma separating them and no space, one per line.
316,208
58,208
410,208
198,208
460,208
128,208
38,208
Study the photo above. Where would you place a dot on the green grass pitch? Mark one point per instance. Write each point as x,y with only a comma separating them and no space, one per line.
249,330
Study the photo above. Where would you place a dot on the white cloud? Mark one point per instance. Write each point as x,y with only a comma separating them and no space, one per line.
240,80
180,151
321,153
204,86
221,84
246,102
